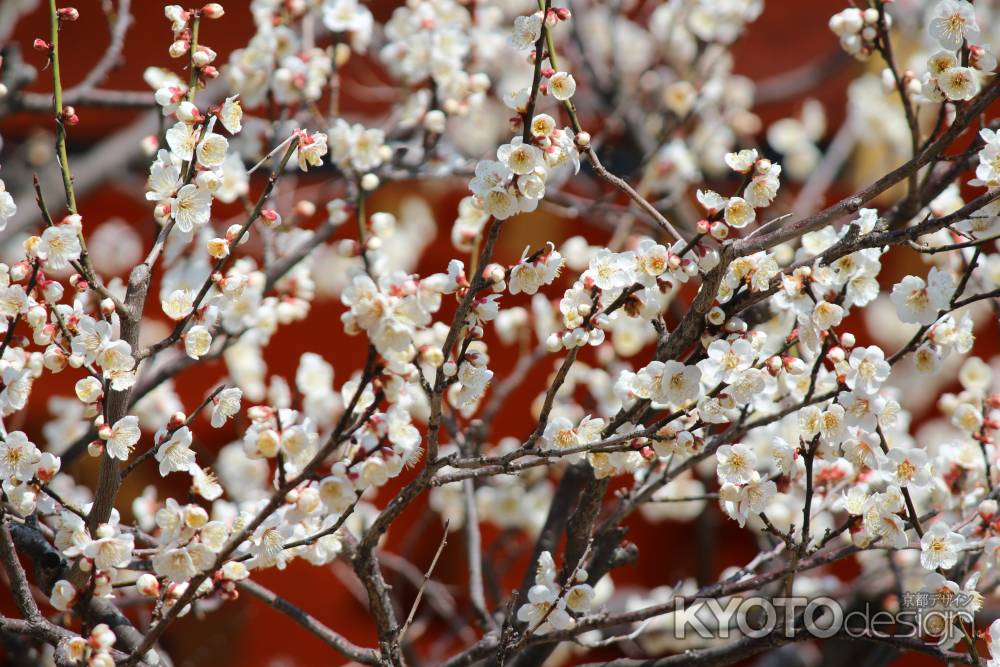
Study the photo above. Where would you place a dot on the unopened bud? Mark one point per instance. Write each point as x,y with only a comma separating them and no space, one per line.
40,44
213,10
233,232
305,208
178,48
150,144
148,585
68,14
203,56
176,421
270,217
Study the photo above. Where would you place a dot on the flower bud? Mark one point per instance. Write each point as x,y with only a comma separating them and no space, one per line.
305,208
54,358
69,116
53,291
107,307
176,421
213,10
369,182
95,448
68,14
187,112
450,368
435,121
161,212
178,48
270,217
203,56
40,45
233,232
148,585
19,271
209,72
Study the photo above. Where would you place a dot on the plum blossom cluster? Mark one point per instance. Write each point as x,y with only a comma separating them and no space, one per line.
659,321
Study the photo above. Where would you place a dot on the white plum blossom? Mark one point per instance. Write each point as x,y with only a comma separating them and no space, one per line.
7,206
122,437
226,405
735,464
325,270
952,22
59,246
940,547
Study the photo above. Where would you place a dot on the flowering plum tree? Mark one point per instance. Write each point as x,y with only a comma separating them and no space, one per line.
717,339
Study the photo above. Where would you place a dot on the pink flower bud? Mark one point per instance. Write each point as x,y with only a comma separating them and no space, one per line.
176,421
148,585
270,217
178,48
68,14
40,44
213,10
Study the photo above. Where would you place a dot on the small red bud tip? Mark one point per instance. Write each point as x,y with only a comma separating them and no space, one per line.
40,44
547,72
209,72
562,13
68,14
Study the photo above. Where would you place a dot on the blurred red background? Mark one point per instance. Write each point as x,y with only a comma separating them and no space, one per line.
787,35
